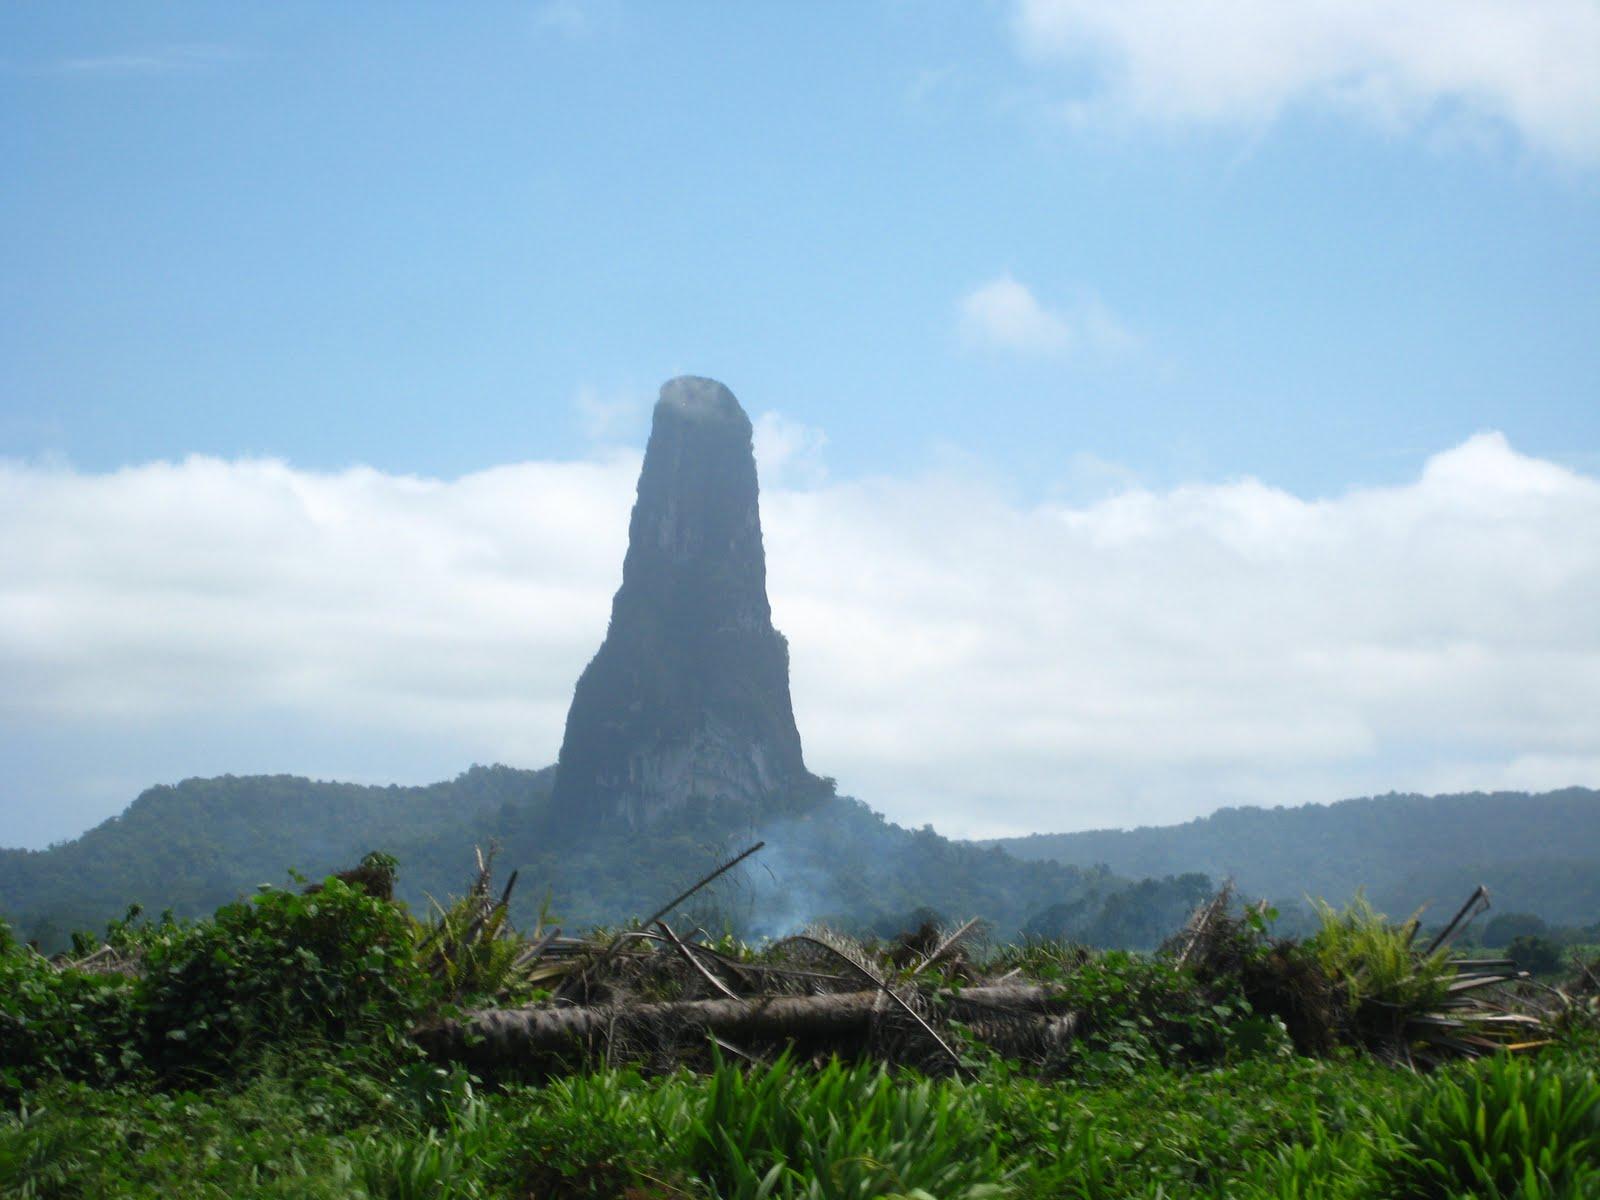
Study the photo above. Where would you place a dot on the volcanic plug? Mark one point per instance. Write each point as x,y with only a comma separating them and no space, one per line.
688,696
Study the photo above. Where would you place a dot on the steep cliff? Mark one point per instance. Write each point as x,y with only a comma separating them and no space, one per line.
689,694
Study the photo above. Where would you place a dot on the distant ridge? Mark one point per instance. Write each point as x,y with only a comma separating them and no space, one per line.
1537,852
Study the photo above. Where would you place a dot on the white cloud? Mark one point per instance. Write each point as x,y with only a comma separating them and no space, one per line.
1531,66
1004,314
608,416
575,18
957,658
789,453
160,60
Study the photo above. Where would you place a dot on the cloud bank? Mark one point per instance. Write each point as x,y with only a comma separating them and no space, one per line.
958,658
1530,66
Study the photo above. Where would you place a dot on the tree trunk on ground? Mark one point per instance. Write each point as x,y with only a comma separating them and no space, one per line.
525,1036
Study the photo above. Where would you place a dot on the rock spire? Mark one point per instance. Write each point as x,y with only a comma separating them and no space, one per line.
688,695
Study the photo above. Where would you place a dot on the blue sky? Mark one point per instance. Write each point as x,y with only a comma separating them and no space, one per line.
1051,249
395,236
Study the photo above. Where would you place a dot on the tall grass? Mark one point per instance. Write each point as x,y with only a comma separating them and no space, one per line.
839,1133
1507,1127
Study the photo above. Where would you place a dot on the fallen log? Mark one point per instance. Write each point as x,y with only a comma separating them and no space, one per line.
511,1037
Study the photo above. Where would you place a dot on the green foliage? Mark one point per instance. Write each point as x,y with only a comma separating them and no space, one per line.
593,1135
471,952
1538,853
1259,1130
287,1014
282,966
68,1023
1536,955
1136,1012
842,1131
213,996
197,845
1503,1128
448,1161
1376,962
272,1138
201,843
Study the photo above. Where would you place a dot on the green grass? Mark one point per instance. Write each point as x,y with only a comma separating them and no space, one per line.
1262,1128
263,1054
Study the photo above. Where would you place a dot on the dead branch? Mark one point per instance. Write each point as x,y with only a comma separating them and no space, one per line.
688,957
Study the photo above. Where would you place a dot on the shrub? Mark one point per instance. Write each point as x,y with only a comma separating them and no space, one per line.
1135,1012
338,964
69,1023
1385,980
1536,955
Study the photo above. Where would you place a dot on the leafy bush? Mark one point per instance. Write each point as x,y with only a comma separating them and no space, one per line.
1506,1127
67,1023
1535,954
338,964
1135,1012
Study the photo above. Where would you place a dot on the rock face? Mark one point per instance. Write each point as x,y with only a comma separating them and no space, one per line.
689,693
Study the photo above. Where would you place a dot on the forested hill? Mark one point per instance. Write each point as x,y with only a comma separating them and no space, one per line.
200,843
207,841
1538,853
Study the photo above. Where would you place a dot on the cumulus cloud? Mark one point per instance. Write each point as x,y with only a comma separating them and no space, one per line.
1004,314
789,453
958,658
610,416
1530,66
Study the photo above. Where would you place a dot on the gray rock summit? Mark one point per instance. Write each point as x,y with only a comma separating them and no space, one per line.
688,696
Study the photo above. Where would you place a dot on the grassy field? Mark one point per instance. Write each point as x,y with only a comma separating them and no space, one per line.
1290,1127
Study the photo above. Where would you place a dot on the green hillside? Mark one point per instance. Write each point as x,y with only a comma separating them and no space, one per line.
1538,853
200,843
204,842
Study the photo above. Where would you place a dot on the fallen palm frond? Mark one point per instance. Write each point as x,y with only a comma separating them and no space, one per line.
853,957
950,945
1360,979
652,994
577,983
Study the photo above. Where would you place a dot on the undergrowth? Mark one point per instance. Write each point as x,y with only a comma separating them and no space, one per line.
263,1053
1263,1128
